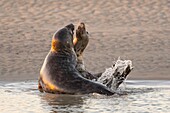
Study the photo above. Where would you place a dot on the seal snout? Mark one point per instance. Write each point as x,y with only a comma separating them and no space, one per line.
70,27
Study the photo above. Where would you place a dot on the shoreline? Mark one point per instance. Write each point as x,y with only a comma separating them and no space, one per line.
131,77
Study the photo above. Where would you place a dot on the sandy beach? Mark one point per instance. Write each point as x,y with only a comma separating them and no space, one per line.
134,30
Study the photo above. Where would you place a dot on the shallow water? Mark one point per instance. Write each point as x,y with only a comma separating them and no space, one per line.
138,30
138,96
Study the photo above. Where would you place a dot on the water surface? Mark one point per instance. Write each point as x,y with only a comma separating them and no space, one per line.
138,96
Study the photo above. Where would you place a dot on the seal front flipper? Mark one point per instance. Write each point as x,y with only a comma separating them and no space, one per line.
80,43
39,86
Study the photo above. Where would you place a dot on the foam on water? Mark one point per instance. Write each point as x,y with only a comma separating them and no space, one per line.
119,67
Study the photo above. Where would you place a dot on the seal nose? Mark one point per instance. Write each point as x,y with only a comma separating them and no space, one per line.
70,26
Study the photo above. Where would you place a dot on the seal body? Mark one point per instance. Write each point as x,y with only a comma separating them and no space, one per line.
59,74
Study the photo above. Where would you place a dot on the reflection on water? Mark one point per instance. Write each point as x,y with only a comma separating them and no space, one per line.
63,102
141,96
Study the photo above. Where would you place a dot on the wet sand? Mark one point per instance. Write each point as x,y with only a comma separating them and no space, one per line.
135,30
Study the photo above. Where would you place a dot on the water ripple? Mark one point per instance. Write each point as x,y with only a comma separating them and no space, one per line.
145,96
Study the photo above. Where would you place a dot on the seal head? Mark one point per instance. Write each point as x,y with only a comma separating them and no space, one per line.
63,39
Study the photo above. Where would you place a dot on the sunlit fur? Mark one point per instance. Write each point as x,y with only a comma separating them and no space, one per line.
53,45
75,40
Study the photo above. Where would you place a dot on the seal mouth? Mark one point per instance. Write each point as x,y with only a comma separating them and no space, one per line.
70,27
